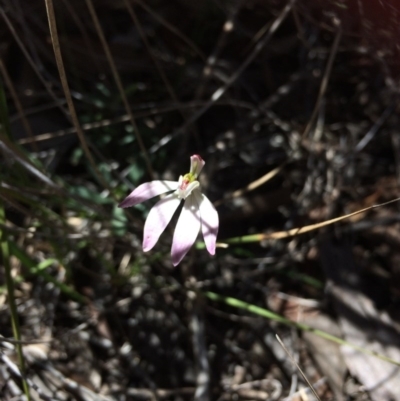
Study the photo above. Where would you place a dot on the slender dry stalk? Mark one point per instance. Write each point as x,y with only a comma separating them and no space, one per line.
164,78
32,63
64,82
138,26
124,118
220,43
325,79
219,92
298,367
83,31
118,81
172,29
18,105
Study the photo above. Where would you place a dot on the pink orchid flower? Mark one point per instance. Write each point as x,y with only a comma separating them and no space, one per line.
197,212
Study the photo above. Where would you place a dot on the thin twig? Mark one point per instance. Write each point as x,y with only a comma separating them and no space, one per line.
253,185
58,102
138,26
161,72
60,65
18,105
82,29
305,229
298,367
219,92
171,28
220,43
325,78
376,127
125,117
118,81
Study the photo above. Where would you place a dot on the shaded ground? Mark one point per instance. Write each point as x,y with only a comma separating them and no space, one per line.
308,89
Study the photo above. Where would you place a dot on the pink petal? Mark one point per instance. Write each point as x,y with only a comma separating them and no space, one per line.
187,230
148,190
209,221
159,217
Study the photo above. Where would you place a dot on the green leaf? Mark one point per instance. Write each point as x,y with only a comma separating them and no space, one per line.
119,222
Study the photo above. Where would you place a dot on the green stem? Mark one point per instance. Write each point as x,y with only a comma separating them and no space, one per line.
4,248
11,299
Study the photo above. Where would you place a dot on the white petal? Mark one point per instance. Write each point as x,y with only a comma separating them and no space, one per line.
184,193
209,221
187,230
159,217
148,190
196,165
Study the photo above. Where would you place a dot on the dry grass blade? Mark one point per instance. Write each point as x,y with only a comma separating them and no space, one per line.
9,149
125,117
253,185
325,78
376,127
136,21
22,342
118,81
18,104
161,72
301,230
28,57
60,65
220,43
82,29
298,367
172,29
219,92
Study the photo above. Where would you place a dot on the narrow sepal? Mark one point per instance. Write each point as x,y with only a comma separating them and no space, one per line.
148,190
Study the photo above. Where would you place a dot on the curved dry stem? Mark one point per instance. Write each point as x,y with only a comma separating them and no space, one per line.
118,81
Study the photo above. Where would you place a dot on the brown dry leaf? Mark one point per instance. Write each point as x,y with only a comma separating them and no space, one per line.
362,325
326,353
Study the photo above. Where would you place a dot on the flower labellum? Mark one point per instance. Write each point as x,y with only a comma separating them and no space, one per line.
197,212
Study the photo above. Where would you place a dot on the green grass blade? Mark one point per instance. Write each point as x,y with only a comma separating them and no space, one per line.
40,270
237,303
5,132
11,299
